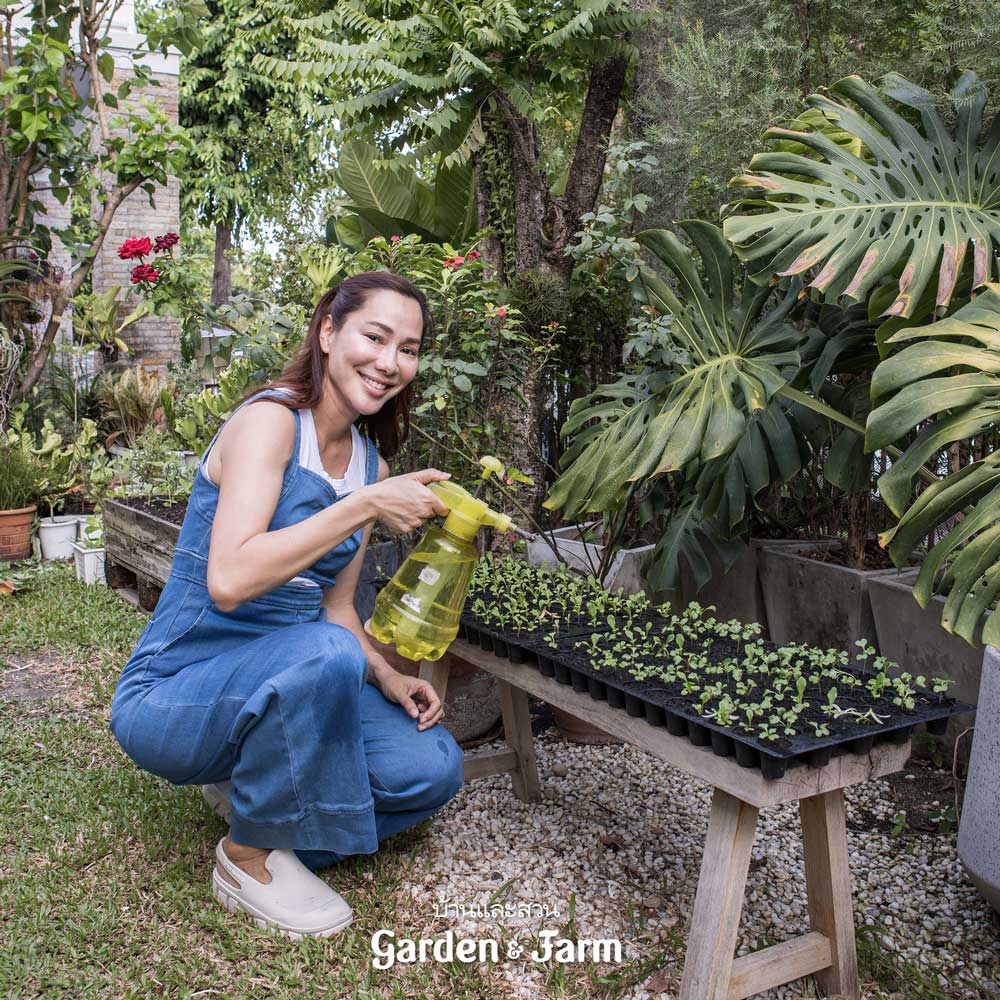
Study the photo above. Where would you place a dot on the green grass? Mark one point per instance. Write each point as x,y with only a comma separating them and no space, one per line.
104,869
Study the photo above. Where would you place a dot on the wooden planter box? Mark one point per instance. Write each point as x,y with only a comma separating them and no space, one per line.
140,550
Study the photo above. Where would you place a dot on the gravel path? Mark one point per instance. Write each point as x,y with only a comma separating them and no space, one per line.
624,832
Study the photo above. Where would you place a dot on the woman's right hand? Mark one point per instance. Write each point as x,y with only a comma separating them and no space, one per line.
403,503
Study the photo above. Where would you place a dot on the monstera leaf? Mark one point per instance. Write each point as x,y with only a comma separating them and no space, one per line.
912,206
950,377
730,352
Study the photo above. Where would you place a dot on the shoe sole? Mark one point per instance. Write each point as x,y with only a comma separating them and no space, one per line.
220,889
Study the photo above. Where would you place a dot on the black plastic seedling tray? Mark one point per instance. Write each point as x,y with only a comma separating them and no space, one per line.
660,708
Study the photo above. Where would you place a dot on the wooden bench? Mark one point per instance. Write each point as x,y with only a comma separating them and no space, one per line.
711,972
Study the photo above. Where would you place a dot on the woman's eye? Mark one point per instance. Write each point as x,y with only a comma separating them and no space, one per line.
374,336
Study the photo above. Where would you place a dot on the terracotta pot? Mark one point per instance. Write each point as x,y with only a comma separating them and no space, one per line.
15,533
472,701
578,731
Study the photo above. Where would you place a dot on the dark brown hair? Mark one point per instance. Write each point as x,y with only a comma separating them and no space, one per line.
304,375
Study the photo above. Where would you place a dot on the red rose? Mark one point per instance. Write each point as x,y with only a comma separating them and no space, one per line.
165,242
143,272
135,248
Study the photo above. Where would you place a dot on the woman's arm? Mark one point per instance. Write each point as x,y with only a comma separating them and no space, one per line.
244,558
416,696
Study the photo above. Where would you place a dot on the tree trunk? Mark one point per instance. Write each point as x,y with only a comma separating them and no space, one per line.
543,228
222,273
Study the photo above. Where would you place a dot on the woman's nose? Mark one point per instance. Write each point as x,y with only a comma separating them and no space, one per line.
386,362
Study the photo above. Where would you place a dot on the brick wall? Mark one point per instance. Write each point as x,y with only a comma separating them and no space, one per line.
155,340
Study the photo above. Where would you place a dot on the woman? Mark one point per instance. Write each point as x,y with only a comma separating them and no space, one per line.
250,678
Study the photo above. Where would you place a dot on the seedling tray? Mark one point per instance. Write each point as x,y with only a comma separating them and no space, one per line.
660,707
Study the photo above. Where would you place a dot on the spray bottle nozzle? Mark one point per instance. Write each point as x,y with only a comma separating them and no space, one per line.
467,513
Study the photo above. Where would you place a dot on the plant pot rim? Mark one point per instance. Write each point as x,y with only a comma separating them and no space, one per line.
83,548
59,519
19,510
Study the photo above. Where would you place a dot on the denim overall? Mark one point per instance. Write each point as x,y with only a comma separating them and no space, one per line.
274,697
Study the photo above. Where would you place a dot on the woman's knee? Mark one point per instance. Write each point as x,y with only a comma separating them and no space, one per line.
425,772
328,653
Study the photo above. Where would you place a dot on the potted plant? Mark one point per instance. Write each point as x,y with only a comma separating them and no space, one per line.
89,552
19,477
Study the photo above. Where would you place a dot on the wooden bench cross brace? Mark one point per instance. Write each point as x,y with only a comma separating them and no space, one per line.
710,970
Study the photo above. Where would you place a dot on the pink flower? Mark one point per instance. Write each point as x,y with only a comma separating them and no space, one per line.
474,255
554,325
165,242
394,238
143,272
501,312
135,248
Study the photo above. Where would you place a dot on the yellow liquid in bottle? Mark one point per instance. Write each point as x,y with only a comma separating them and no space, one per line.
419,608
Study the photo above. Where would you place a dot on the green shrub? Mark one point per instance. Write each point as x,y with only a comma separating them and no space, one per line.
19,479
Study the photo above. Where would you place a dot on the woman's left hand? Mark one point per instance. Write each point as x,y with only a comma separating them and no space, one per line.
415,695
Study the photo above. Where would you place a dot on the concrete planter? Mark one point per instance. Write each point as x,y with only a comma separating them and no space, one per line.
911,635
739,593
979,831
625,572
819,603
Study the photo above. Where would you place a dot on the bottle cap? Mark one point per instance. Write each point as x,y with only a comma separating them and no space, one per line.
468,514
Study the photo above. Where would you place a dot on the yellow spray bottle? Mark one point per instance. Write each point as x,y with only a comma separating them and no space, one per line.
418,610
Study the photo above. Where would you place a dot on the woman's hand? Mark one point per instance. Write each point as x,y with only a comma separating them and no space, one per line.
411,693
403,503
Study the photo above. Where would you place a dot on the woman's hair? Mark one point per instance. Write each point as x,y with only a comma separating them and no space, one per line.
304,375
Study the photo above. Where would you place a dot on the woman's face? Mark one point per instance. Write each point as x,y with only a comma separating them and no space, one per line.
373,356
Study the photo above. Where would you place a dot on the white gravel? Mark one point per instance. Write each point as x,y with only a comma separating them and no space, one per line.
638,884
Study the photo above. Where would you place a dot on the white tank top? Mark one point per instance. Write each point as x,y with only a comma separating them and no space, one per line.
309,457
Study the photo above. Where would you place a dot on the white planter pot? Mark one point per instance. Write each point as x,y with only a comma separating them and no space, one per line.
625,571
89,564
56,536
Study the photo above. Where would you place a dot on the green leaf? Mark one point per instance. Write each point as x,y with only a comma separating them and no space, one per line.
731,351
912,206
106,66
953,407
462,383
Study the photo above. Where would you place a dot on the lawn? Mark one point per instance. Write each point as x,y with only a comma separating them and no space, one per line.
104,874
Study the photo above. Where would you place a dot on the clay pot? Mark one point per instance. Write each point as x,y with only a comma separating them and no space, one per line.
578,731
15,533
472,700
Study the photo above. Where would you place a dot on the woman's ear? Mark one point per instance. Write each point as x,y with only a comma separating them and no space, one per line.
325,333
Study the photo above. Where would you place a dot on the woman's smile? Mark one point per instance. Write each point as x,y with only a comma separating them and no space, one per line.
375,386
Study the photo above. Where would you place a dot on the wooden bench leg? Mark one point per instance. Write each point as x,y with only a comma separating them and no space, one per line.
828,886
517,729
436,671
719,900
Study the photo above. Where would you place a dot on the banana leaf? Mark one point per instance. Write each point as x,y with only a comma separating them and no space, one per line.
913,205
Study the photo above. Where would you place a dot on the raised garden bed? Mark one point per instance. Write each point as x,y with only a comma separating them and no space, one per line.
714,683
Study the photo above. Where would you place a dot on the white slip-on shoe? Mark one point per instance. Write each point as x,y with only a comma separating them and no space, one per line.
295,902
218,797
